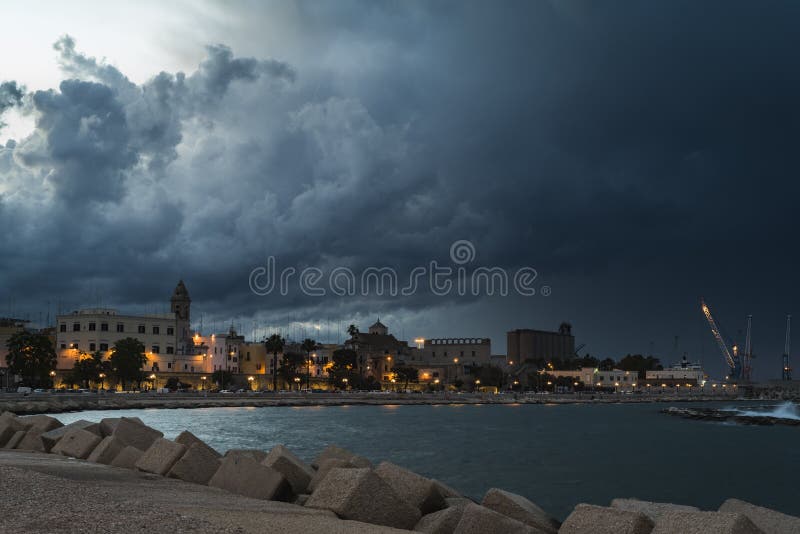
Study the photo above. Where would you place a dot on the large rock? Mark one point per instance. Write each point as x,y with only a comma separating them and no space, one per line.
653,510
704,523
77,443
332,451
242,475
590,519
297,473
324,468
51,437
189,439
361,495
12,443
253,454
127,457
106,451
413,488
519,508
197,465
770,521
134,433
441,522
32,441
160,457
44,423
10,425
477,519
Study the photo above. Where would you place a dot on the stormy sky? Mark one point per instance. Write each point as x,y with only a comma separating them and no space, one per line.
636,154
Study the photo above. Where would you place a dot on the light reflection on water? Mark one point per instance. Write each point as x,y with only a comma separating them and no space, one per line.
556,455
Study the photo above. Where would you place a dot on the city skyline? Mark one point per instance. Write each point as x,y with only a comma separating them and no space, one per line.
637,156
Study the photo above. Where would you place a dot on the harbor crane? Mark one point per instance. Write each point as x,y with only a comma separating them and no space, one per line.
787,371
739,364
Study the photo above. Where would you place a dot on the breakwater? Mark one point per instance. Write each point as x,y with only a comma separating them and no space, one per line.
61,402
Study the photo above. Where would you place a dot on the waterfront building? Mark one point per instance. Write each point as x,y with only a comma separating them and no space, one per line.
167,339
526,344
683,371
379,351
592,377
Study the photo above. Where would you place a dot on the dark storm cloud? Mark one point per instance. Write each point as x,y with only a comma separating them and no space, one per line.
638,154
10,96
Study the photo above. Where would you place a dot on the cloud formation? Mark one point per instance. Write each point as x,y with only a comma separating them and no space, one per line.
637,155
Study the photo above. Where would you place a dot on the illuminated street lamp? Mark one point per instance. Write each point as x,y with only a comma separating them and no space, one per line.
102,377
250,380
153,378
344,381
297,381
203,382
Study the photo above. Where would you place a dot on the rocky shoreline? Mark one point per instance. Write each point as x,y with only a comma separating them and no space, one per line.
713,414
339,491
60,403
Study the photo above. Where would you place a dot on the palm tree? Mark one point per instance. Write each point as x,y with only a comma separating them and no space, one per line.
353,332
274,345
308,345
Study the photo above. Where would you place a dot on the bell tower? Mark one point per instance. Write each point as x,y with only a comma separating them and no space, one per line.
180,304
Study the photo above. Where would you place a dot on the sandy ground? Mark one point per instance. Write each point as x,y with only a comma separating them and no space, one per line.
42,493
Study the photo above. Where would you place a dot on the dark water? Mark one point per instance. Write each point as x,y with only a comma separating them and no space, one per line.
556,455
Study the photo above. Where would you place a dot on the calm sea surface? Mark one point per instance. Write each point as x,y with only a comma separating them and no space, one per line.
556,455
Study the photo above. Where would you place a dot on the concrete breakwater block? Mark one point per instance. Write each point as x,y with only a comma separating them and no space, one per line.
704,523
160,456
51,437
415,489
476,519
197,465
134,433
44,423
653,510
770,521
324,468
361,495
441,522
127,457
32,441
297,473
242,475
106,450
108,424
332,451
77,443
10,425
189,439
445,490
519,508
590,519
253,454
12,443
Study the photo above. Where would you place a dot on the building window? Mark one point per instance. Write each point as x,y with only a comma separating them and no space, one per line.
92,327
248,356
76,327
156,330
92,347
169,365
170,331
104,346
120,327
258,367
62,327
473,353
104,327
156,349
185,366
64,345
141,329
170,350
